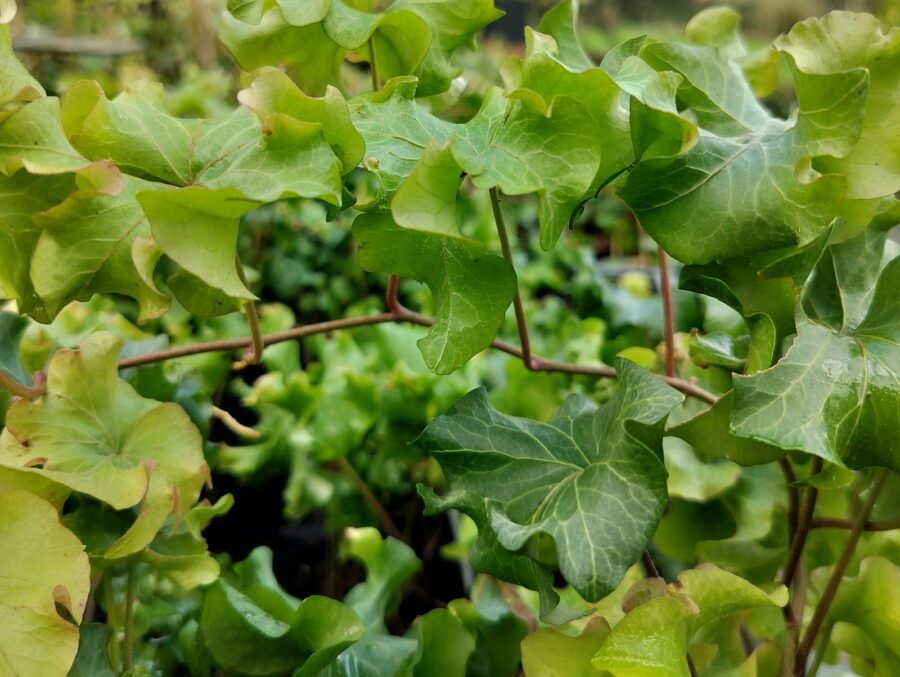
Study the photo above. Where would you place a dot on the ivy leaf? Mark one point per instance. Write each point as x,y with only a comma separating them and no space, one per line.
12,327
85,248
591,479
207,249
834,393
251,626
693,479
397,130
653,638
49,567
32,138
546,73
266,36
471,289
743,169
825,54
389,564
561,23
93,433
401,36
93,652
273,92
548,652
554,152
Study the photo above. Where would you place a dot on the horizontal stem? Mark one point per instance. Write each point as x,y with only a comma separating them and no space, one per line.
403,315
838,523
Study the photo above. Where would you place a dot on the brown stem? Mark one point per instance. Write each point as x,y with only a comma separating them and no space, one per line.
804,522
838,523
793,616
254,355
18,389
790,480
373,64
404,315
649,565
371,500
837,575
665,290
391,296
521,323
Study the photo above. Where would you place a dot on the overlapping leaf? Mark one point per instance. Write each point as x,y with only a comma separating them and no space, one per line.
592,480
93,433
743,187
653,638
410,37
834,394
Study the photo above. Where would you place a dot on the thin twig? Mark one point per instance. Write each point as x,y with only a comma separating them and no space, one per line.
793,616
254,355
804,522
838,523
392,295
18,389
665,290
650,567
234,425
371,500
404,315
521,323
790,480
373,64
837,574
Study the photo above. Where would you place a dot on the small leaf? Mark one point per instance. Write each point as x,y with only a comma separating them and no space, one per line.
471,289
550,653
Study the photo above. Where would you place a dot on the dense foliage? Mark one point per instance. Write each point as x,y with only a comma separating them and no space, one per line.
181,283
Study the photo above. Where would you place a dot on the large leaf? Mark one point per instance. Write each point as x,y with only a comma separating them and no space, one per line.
45,565
93,433
834,394
746,171
471,288
591,479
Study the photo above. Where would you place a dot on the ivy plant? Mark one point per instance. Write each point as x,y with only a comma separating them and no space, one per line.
729,508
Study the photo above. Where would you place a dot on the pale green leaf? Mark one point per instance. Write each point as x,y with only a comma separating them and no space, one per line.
550,653
554,153
16,84
825,53
85,248
92,432
45,565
